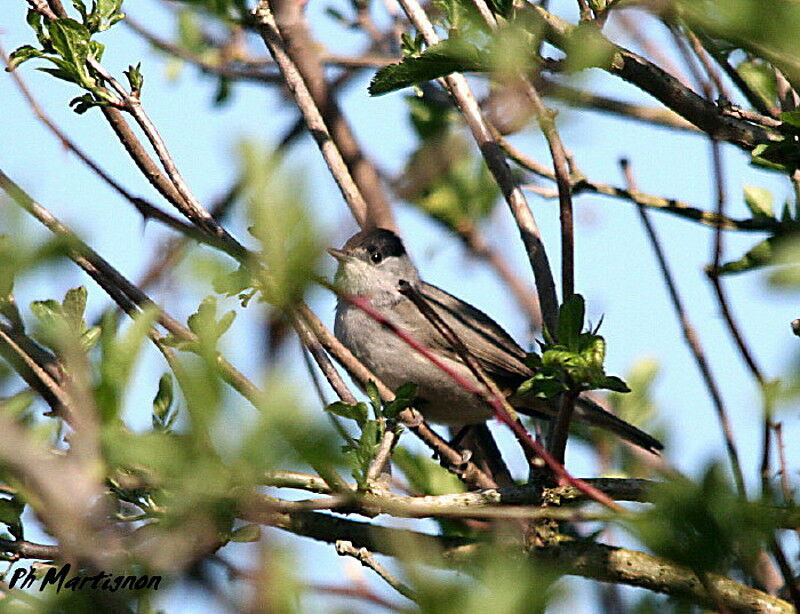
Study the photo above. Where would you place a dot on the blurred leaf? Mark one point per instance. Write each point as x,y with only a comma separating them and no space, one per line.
760,255
205,325
703,525
424,475
445,179
759,201
164,413
120,352
760,76
587,48
290,244
73,306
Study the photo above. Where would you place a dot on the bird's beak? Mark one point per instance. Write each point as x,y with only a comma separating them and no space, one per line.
339,254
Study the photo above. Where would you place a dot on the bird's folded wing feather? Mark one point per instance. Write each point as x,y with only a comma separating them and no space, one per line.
492,347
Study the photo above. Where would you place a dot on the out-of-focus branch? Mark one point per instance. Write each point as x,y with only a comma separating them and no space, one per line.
126,294
286,34
585,558
314,120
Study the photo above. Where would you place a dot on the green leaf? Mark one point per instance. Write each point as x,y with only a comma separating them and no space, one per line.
759,201
70,40
404,398
22,54
760,76
570,321
357,411
81,104
449,56
614,383
73,306
791,118
205,325
374,397
163,413
247,533
586,47
10,511
34,20
90,338
135,79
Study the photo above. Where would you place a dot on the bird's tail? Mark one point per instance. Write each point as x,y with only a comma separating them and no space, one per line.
591,413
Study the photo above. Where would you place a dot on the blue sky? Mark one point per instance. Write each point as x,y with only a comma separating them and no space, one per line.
615,267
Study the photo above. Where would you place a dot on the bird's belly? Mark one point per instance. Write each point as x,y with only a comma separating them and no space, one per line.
441,399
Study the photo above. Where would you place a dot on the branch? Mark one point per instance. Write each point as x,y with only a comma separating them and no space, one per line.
316,125
483,133
586,559
662,86
367,559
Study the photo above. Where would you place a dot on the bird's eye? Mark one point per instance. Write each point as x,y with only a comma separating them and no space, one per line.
376,257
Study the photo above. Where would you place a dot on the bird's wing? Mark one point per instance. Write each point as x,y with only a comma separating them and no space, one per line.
491,346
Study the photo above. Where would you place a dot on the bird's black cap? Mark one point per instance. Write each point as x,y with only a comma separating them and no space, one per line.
378,240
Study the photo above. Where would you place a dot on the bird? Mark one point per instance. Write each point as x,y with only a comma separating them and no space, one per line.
373,264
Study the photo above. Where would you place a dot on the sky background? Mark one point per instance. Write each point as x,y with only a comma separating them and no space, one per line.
615,267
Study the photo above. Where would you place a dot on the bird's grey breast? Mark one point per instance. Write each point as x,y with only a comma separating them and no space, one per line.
395,363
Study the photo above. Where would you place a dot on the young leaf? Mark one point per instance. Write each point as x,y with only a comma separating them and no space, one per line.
73,306
22,54
70,40
357,411
570,321
449,56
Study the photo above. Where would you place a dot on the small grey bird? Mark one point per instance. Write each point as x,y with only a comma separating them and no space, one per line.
371,264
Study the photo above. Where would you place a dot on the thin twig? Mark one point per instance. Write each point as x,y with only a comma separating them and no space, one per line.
367,559
689,335
582,184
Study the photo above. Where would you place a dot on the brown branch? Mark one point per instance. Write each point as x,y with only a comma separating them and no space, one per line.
582,184
268,29
484,135
28,550
595,102
587,559
662,86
